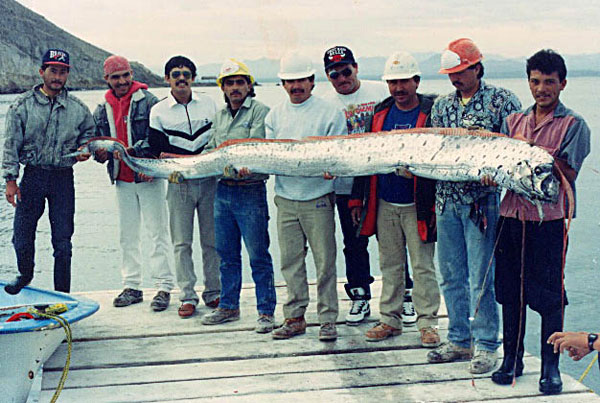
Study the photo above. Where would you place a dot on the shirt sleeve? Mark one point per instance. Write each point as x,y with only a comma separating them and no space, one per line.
13,141
435,114
575,146
269,126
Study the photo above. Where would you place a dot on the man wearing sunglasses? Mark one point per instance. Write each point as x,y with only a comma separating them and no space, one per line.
241,210
125,115
467,213
182,124
357,100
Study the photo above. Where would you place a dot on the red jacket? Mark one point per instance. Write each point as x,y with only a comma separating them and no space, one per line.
364,190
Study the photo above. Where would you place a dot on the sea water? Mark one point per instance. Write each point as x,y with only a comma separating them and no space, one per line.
97,257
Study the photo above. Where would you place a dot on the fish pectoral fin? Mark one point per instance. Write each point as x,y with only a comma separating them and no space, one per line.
176,177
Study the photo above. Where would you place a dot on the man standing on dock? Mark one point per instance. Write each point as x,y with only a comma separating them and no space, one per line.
241,210
182,124
402,207
125,116
42,125
305,205
357,100
467,213
565,135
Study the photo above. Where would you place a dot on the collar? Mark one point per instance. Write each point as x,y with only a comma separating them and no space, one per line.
172,101
246,105
559,111
482,88
60,98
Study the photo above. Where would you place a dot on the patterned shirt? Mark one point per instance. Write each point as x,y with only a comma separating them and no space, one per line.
486,110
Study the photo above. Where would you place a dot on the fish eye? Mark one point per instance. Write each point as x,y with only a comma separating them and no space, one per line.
538,170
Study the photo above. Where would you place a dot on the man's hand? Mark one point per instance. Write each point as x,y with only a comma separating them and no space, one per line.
355,213
404,173
12,190
117,154
576,343
487,180
328,176
101,155
243,172
145,177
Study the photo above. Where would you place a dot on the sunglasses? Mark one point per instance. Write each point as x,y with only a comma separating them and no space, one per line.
186,74
239,81
334,75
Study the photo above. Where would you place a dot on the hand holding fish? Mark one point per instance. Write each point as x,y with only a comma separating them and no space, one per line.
328,176
84,156
404,173
101,155
487,180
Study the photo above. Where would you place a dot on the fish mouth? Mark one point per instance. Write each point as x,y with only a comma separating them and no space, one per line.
545,184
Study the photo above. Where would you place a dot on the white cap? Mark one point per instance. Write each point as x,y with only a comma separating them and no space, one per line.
295,66
400,66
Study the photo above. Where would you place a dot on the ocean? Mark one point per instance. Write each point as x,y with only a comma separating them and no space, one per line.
96,251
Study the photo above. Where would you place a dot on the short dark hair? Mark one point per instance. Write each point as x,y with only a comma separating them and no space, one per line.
180,61
45,66
547,61
481,71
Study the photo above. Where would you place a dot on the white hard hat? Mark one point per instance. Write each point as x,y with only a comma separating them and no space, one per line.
400,66
295,66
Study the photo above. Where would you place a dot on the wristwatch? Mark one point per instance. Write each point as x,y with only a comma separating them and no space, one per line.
591,340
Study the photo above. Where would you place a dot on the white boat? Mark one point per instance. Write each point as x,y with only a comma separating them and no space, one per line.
27,343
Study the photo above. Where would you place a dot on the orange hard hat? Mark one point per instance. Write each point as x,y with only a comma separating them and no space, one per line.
459,55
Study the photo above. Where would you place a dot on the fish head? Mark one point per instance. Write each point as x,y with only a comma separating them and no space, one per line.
536,182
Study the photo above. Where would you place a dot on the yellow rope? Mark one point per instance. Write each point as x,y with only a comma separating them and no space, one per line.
50,314
587,370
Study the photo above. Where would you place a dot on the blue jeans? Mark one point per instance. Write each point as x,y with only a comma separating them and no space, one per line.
241,212
464,254
36,186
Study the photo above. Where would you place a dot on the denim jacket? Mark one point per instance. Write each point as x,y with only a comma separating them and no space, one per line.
137,128
40,130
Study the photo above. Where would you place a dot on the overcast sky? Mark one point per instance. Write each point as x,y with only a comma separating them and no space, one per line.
151,31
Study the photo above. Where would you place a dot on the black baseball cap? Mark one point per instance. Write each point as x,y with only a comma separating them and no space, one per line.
338,55
56,57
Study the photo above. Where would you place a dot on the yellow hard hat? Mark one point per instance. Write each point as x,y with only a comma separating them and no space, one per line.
233,67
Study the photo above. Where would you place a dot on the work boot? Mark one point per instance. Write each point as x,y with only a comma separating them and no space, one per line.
160,302
328,332
291,327
221,315
512,344
381,331
15,286
264,323
128,297
429,337
550,382
360,308
483,361
409,315
449,352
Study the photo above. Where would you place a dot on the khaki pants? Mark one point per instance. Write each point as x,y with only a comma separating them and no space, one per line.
297,222
396,230
184,200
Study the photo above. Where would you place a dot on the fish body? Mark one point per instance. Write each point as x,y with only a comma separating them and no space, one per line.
457,155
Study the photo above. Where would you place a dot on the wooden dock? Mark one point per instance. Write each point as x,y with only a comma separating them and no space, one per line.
135,355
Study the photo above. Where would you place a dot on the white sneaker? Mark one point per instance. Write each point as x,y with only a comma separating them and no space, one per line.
409,316
359,310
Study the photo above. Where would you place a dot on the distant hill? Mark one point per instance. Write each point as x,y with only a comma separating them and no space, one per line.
265,70
25,36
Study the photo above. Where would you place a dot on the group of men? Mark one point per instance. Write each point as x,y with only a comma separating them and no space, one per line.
406,213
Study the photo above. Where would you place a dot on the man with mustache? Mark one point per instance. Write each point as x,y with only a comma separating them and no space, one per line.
402,206
42,125
305,205
467,213
566,136
357,99
241,210
182,124
125,115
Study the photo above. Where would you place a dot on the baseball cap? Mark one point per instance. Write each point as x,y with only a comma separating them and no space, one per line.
56,57
337,55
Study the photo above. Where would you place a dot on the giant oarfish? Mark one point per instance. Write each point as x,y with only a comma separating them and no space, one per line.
457,155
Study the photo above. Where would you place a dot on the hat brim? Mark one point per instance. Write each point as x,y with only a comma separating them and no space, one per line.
338,64
56,64
387,77
296,76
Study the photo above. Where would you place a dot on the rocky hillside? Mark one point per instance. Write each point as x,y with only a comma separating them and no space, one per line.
25,36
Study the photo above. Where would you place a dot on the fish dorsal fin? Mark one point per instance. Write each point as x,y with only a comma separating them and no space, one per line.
253,140
106,138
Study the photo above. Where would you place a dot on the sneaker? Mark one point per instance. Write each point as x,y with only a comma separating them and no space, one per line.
291,327
214,304
264,324
128,297
160,302
429,337
221,315
381,331
409,316
483,361
327,332
360,308
448,352
359,311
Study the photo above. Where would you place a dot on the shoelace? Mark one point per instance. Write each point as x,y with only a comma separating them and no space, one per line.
358,306
408,309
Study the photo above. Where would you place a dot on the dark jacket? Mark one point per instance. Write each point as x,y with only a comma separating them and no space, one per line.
138,118
364,190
